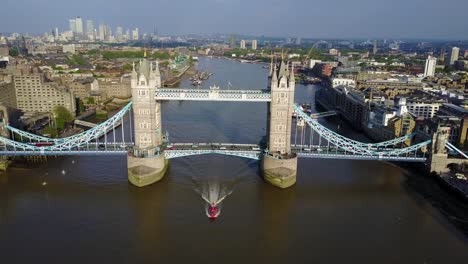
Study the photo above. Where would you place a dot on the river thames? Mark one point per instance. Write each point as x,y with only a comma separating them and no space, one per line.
340,211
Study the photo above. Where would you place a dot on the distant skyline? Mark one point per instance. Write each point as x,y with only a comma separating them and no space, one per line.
410,19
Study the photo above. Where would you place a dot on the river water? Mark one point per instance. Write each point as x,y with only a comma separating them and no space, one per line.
83,210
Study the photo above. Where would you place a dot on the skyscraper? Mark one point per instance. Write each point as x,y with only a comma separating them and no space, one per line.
233,41
298,41
135,34
375,49
102,32
79,26
254,44
453,56
72,24
431,63
242,44
119,34
90,29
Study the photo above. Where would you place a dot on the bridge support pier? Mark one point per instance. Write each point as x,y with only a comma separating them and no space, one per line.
4,163
279,172
145,171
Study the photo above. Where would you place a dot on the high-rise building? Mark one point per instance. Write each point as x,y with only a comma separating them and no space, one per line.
430,68
254,44
375,49
102,32
453,56
108,35
298,41
233,41
127,34
90,29
33,94
79,26
72,23
242,44
466,54
135,34
119,34
55,32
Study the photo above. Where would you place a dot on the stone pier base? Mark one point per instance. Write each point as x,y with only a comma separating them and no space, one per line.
4,163
279,172
146,171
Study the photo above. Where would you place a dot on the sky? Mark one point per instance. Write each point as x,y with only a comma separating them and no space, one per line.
413,19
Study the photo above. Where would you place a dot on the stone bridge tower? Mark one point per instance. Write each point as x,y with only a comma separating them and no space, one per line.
146,163
280,165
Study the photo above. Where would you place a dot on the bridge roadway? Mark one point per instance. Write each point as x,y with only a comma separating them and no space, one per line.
181,94
176,150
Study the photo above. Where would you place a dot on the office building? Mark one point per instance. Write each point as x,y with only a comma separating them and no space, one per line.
254,44
90,29
119,34
33,94
242,44
135,34
233,42
79,26
102,32
72,24
430,68
453,56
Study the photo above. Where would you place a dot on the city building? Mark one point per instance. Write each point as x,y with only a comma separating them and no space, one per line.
254,44
90,30
72,24
233,42
333,52
343,82
7,94
313,62
375,48
115,87
453,56
79,26
81,88
425,108
242,44
298,41
102,32
34,94
69,48
458,117
135,34
119,34
430,67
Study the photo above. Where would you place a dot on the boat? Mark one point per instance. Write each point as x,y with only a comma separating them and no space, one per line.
212,211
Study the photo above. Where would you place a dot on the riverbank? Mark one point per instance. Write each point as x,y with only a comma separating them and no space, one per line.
176,79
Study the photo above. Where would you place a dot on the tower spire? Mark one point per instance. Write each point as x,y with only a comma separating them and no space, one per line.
292,78
271,64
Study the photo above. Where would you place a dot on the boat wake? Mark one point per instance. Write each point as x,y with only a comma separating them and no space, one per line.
214,193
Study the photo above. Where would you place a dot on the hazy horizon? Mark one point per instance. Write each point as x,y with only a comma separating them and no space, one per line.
367,19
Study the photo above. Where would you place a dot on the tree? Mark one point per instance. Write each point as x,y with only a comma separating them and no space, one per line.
90,101
62,116
14,52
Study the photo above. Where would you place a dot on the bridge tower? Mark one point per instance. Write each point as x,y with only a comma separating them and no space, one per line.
279,166
438,159
146,162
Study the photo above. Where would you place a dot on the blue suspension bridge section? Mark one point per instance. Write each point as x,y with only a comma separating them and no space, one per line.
112,137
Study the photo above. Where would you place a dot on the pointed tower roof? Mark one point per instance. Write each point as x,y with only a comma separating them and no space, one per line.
144,69
283,70
292,78
156,70
134,73
274,77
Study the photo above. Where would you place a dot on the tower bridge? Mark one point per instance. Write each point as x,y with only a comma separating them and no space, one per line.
136,132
